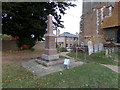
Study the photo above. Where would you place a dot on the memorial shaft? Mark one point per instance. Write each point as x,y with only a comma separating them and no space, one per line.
50,45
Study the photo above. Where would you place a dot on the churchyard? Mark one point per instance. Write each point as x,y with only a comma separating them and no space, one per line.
30,67
37,68
90,75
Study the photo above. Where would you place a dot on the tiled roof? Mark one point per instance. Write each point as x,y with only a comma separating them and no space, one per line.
67,34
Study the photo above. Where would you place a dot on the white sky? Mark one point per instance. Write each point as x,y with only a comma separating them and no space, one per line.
72,18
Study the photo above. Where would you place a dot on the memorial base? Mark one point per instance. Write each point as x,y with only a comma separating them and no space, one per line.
49,63
49,57
49,60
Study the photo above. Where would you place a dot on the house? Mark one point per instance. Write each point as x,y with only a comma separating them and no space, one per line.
100,22
67,40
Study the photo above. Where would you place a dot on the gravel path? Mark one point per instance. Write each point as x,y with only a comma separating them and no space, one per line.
65,55
112,67
41,70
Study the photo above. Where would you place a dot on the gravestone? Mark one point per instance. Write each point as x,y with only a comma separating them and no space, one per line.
113,49
82,44
90,47
101,47
109,50
106,52
96,48
66,63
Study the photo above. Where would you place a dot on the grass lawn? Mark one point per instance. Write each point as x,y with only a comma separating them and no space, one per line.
86,76
96,57
90,75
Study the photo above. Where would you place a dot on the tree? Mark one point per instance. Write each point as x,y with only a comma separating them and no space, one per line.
28,20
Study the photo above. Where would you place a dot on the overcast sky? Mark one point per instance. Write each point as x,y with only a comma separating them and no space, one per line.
72,18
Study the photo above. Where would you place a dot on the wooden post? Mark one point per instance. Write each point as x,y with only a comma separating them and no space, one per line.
85,53
76,53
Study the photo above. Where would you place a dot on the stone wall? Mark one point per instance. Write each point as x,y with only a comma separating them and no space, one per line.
40,45
90,29
92,23
9,45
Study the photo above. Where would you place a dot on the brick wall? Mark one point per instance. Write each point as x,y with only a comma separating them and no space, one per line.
90,26
9,45
111,34
13,46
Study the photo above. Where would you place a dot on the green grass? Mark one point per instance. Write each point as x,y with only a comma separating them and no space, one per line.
96,57
86,76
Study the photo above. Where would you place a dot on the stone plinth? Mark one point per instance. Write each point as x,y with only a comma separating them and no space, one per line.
50,57
49,63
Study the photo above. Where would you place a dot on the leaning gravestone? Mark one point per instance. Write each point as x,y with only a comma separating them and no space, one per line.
90,47
106,52
109,50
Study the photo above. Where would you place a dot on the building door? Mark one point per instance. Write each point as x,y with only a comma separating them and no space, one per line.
118,36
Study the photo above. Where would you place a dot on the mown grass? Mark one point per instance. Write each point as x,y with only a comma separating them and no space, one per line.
86,76
99,57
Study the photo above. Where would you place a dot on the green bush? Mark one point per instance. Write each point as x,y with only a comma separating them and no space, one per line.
61,49
4,37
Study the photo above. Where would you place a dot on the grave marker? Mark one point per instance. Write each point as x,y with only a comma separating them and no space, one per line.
101,48
95,48
66,63
106,52
90,47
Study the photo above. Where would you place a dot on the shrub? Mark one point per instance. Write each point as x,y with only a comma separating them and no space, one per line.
25,43
4,37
